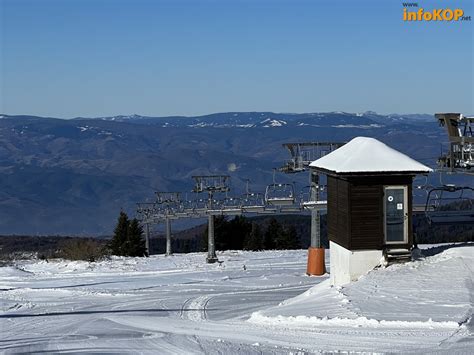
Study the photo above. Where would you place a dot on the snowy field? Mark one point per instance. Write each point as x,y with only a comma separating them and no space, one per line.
251,303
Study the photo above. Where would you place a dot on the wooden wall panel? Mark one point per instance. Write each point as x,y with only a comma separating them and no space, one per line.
338,212
355,210
366,217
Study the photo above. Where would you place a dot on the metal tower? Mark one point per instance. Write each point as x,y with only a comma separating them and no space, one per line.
145,214
460,157
211,184
169,203
302,155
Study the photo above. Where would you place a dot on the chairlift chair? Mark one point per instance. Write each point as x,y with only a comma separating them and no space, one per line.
161,214
279,194
307,200
290,208
232,206
305,194
215,208
185,209
182,211
170,209
450,205
200,205
268,210
315,205
253,202
282,194
145,211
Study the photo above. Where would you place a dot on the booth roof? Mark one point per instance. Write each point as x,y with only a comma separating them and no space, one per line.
368,155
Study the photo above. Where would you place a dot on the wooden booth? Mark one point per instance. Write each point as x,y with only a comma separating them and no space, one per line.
369,205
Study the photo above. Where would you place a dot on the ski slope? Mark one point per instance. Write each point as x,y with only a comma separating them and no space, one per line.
179,304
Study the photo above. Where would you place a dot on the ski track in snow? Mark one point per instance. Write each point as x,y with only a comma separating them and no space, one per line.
179,304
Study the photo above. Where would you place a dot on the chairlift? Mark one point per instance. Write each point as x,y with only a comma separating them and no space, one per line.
215,208
186,208
450,205
145,211
232,206
200,205
280,194
253,202
309,201
268,210
183,210
305,195
291,208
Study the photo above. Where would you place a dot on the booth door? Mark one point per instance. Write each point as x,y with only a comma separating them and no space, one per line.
396,214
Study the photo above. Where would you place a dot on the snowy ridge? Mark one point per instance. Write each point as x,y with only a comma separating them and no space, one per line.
373,125
335,119
273,123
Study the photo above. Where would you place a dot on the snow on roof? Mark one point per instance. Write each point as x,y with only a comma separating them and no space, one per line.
363,154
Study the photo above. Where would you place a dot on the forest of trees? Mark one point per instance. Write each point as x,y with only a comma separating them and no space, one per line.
256,233
424,233
240,233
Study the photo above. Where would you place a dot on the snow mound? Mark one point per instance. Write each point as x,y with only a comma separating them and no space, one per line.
305,321
433,292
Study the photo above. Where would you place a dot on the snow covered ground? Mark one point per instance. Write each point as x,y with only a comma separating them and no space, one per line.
179,304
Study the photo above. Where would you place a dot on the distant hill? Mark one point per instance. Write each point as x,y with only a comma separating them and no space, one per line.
73,176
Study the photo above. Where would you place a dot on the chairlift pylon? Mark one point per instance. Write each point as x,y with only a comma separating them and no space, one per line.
460,155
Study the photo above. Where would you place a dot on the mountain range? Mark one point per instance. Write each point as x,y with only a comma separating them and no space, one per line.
73,176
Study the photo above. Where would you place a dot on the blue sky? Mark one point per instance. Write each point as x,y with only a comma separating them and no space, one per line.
69,58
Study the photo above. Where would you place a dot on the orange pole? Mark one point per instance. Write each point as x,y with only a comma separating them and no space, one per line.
316,262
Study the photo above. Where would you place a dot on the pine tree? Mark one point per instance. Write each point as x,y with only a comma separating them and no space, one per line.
116,245
254,240
238,230
273,232
128,238
135,244
288,239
